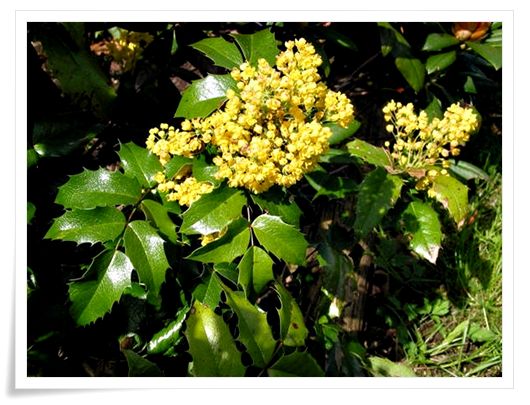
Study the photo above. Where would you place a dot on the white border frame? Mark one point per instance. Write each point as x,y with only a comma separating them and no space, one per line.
24,382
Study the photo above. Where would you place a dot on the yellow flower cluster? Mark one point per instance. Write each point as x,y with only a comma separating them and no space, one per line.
268,132
423,144
127,49
182,188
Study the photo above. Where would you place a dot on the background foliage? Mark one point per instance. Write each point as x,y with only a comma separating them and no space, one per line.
117,283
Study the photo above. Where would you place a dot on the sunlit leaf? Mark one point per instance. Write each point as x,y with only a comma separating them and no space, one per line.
453,196
493,54
220,51
255,270
296,364
211,345
139,163
293,331
424,229
369,153
261,44
169,336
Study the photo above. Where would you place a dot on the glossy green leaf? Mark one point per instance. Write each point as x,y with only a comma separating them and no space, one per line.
296,364
213,211
466,170
493,54
176,164
93,299
30,212
279,203
453,196
439,62
145,248
88,226
140,366
228,271
293,331
169,336
204,96
100,188
211,345
63,133
204,171
220,51
208,291
139,163
329,185
157,214
369,153
412,70
255,270
76,70
437,41
382,367
339,133
232,244
281,239
254,331
378,192
423,227
261,44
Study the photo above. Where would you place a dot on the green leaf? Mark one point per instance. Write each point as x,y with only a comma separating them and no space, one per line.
422,224
141,367
255,270
296,364
168,337
467,170
139,163
378,193
437,41
228,271
220,51
88,226
213,211
232,244
204,96
261,44
293,331
277,202
61,134
339,133
208,292
434,109
439,62
76,70
493,54
392,40
254,331
157,214
281,239
30,212
204,171
369,153
453,196
339,38
146,251
412,70
381,367
176,164
32,157
469,86
93,299
337,156
329,185
99,188
212,347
